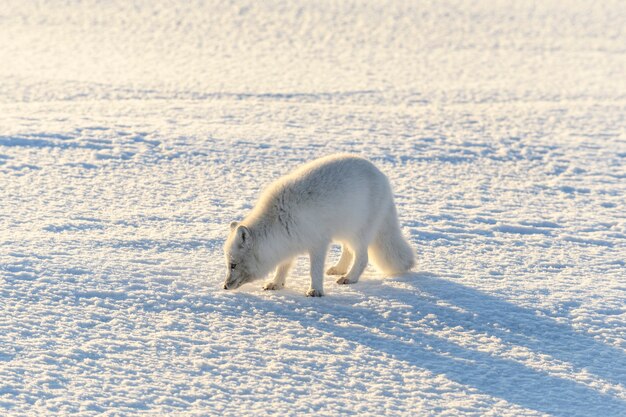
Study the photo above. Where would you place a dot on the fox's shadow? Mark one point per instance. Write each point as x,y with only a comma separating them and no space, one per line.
455,305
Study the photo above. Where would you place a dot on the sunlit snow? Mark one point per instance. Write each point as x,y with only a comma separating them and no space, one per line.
133,133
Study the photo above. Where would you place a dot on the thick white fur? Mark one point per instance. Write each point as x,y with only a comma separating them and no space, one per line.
340,198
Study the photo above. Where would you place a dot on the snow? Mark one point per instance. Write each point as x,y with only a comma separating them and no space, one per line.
132,133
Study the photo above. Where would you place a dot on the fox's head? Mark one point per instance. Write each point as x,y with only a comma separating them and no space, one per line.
241,265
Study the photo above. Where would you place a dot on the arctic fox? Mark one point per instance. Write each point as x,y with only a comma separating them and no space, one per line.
342,198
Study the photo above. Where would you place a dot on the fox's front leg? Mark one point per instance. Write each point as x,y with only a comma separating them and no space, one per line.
317,256
280,276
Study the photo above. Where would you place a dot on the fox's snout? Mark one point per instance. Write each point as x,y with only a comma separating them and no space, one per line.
228,284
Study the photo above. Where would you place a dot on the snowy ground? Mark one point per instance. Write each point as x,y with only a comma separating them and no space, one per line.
131,134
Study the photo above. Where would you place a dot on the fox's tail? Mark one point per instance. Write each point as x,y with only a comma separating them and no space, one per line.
389,250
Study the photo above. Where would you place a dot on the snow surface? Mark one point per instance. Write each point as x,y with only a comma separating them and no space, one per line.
132,133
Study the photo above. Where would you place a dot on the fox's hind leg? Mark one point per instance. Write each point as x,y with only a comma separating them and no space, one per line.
279,277
359,265
344,262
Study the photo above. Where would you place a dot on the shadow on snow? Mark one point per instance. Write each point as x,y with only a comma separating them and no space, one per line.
499,377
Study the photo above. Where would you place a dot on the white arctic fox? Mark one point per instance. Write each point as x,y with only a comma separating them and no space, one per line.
340,198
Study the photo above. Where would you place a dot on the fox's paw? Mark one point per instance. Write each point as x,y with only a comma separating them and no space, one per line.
314,293
272,286
333,270
344,280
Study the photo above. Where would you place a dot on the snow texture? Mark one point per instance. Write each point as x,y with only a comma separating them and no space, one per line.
132,133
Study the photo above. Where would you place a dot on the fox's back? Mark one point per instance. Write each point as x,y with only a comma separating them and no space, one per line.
332,180
336,194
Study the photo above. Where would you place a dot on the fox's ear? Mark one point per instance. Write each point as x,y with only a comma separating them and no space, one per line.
233,225
244,237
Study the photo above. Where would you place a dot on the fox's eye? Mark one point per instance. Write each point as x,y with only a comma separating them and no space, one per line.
232,266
